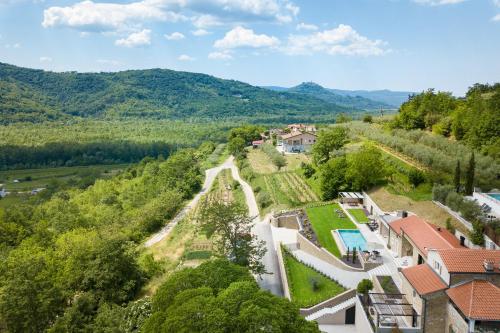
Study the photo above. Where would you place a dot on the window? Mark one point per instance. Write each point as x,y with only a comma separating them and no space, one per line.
414,293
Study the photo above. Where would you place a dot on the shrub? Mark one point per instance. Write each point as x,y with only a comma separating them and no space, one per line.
367,118
440,192
477,233
308,170
264,199
364,286
454,201
416,177
315,283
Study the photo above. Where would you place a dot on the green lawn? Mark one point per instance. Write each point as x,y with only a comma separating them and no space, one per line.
359,215
324,219
301,280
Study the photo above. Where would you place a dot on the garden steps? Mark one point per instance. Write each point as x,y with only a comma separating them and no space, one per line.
329,311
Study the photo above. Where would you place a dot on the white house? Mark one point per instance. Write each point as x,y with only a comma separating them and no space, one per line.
298,142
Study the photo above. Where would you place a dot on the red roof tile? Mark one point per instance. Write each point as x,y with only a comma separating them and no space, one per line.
423,279
478,299
469,260
425,235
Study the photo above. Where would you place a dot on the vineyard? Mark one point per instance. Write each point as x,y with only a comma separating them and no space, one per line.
288,188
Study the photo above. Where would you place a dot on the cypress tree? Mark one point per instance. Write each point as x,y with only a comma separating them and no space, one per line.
456,181
469,176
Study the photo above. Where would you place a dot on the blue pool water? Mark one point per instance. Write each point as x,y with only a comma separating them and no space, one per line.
494,195
353,238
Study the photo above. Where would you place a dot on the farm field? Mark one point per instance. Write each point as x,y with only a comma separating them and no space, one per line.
324,219
307,286
262,164
359,215
34,178
425,209
286,188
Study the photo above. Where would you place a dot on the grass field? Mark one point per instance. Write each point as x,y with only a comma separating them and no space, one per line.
324,219
426,209
307,286
261,163
34,178
359,215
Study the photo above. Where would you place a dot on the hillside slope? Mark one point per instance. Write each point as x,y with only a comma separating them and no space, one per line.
354,102
36,95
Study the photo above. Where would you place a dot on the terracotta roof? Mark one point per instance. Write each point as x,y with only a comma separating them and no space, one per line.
424,235
423,279
469,260
291,135
477,299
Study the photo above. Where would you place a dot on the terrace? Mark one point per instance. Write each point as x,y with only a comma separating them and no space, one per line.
388,311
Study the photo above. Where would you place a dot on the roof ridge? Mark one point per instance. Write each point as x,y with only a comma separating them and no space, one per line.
471,296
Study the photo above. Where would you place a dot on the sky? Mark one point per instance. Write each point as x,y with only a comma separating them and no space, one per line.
409,45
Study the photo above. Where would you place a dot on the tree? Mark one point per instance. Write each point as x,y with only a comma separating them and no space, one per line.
342,118
364,287
457,177
216,297
327,142
236,146
469,175
332,177
365,168
477,233
232,228
416,177
367,118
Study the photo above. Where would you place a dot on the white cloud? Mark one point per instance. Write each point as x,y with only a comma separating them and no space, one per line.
200,32
110,16
88,15
185,57
496,18
241,37
136,39
438,2
205,21
343,40
224,55
175,36
305,26
45,59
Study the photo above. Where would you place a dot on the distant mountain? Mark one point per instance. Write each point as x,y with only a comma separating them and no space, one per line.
394,98
359,99
37,95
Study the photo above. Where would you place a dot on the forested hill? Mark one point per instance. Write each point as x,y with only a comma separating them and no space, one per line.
354,102
37,95
357,99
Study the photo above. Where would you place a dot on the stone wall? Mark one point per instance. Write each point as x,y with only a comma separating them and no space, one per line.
454,321
459,277
329,303
284,278
436,312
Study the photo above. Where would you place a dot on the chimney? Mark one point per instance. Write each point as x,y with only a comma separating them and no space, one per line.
489,265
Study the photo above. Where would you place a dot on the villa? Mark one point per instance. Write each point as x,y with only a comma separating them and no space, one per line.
298,142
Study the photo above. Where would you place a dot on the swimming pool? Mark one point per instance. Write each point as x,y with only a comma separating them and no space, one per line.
352,239
494,195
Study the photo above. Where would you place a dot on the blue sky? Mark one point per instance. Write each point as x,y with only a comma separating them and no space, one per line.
349,44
